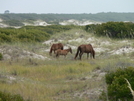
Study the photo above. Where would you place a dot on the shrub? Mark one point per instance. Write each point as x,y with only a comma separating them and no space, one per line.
8,97
1,56
117,86
5,38
113,29
14,23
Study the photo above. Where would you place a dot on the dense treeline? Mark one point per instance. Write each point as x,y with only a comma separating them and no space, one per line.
113,29
31,33
55,18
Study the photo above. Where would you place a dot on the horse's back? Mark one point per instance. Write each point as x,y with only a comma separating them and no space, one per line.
83,48
58,50
57,46
61,52
86,47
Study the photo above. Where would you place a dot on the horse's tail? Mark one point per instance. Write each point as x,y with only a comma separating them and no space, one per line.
78,49
93,54
62,48
50,52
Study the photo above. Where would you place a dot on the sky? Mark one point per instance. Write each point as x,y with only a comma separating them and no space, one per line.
66,6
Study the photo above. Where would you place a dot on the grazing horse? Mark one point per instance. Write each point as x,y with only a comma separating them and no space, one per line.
85,49
54,47
63,52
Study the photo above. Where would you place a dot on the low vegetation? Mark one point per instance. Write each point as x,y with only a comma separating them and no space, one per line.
117,86
9,97
120,30
31,33
44,81
13,23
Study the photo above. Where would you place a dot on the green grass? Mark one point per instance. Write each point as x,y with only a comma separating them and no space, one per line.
43,82
53,80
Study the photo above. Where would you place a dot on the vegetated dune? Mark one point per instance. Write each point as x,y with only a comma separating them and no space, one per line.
73,39
109,53
100,44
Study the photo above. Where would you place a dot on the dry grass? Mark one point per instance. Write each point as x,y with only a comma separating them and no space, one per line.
43,82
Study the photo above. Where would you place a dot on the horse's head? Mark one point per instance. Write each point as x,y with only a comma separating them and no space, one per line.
70,50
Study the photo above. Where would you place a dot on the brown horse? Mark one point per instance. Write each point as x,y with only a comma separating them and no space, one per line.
63,52
85,49
54,47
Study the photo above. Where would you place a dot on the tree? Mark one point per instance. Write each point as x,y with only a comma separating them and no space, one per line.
7,12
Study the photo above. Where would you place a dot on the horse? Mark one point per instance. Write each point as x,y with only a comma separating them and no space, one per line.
87,48
54,47
63,52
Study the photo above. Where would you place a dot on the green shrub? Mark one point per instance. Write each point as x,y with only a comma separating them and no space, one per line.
4,38
14,23
1,56
31,33
8,97
113,29
117,86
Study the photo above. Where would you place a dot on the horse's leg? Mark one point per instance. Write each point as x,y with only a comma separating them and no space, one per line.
57,55
87,55
50,53
80,55
91,55
65,56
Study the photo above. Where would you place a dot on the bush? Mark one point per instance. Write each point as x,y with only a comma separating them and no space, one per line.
113,29
1,56
117,86
8,97
31,33
5,38
14,23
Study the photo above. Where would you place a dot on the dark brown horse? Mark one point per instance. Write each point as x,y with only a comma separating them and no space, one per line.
85,49
54,47
63,52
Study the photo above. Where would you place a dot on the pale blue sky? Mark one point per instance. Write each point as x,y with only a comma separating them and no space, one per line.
66,6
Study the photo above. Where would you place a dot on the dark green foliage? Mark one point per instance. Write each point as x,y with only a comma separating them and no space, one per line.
1,56
117,86
14,23
51,29
90,28
31,33
113,29
8,97
5,38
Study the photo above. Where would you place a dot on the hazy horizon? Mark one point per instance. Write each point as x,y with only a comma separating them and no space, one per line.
67,6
